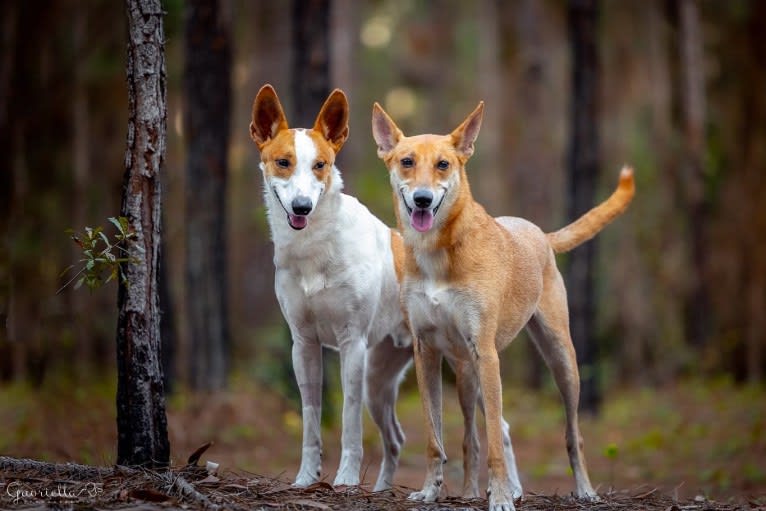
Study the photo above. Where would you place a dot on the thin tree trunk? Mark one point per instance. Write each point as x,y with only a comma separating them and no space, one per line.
80,163
311,59
207,85
8,12
141,421
692,96
583,173
491,187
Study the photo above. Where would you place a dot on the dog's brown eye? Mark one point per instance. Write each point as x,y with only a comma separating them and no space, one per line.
442,165
283,163
319,165
407,162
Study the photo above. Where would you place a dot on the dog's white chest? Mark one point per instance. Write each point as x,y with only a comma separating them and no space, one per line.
311,282
442,315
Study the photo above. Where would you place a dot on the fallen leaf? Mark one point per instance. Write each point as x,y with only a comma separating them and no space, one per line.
209,479
320,485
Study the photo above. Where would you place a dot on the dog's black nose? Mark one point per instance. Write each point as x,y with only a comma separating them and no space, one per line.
423,198
302,205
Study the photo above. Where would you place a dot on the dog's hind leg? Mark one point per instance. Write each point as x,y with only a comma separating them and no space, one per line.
510,458
352,367
386,366
549,329
307,363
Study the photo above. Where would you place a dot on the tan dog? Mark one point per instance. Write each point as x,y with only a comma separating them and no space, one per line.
471,283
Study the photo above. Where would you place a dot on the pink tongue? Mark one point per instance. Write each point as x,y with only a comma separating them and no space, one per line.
298,221
422,219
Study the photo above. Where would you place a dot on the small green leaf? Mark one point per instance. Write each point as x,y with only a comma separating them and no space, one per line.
611,451
117,223
90,264
66,270
79,283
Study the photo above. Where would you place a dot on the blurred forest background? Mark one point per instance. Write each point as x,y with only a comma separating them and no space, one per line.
679,296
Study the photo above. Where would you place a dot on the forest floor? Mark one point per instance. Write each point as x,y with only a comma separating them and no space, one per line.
689,446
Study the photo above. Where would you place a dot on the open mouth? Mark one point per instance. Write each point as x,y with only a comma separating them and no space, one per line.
297,222
422,219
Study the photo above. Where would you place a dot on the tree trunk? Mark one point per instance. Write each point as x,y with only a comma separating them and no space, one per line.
311,59
78,302
141,421
692,96
9,17
491,188
207,87
583,173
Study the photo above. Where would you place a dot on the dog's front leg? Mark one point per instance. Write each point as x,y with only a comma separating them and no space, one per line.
307,364
468,395
352,367
428,371
499,492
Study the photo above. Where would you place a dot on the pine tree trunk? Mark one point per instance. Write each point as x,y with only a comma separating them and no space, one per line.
311,59
583,173
207,87
141,421
692,95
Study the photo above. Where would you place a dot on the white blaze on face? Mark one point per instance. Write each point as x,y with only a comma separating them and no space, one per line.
304,180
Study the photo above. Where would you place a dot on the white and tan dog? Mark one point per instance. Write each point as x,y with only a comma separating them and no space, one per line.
336,283
471,283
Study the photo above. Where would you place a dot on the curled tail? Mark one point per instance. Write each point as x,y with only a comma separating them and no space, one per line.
591,223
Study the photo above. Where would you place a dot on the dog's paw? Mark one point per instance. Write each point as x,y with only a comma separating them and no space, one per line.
588,496
304,479
346,480
429,493
501,496
303,482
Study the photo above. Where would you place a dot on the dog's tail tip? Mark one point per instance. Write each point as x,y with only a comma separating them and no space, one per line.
627,181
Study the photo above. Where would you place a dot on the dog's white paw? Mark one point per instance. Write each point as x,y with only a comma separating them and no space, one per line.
588,496
346,480
500,496
302,480
429,493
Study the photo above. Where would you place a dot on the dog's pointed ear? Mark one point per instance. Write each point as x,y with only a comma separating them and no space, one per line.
332,121
384,131
268,116
465,135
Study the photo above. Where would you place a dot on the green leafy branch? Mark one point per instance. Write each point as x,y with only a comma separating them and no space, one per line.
101,256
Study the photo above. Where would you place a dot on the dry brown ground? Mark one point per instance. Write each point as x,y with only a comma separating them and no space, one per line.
35,485
668,447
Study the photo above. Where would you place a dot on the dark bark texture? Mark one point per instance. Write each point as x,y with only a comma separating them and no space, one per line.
207,88
310,59
583,168
141,420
